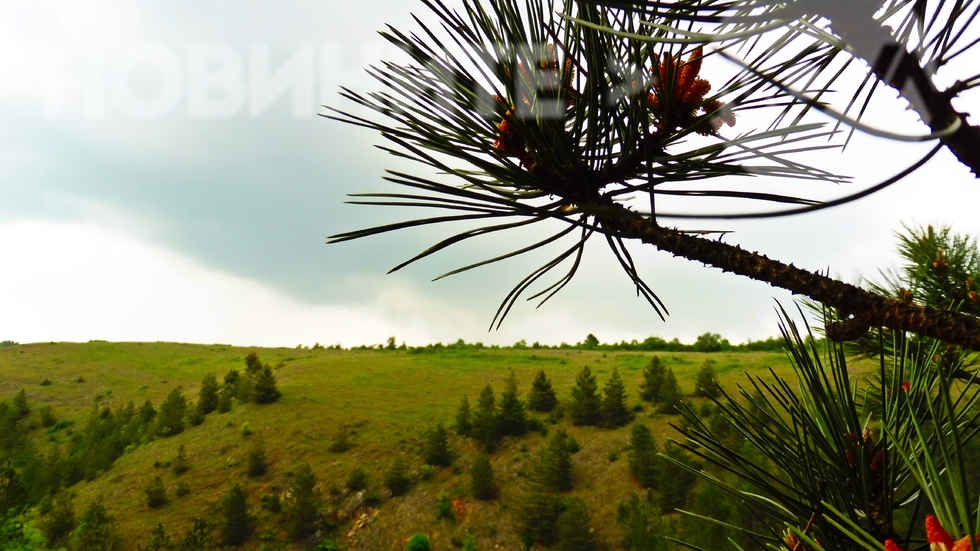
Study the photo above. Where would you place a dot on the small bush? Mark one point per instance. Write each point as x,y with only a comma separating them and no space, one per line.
181,489
573,445
418,542
80,379
180,465
195,416
21,403
46,382
357,480
481,481
156,493
256,464
426,472
341,441
246,430
444,508
437,447
236,525
224,399
396,477
272,503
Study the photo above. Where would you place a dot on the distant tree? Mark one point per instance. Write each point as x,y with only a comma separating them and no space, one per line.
252,364
670,394
170,418
47,416
585,408
146,413
196,538
640,522
396,477
264,389
710,342
207,399
225,395
653,378
232,377
159,540
591,341
542,396
485,428
481,477
357,479
464,422
96,530
156,493
60,522
255,463
21,403
553,467
575,531
236,526
444,508
469,543
538,515
437,447
643,459
341,440
511,418
705,384
614,410
303,509
418,542
180,464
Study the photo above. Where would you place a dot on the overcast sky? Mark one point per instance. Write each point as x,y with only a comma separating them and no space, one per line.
137,204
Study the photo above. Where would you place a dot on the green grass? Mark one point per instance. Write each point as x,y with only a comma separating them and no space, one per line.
388,399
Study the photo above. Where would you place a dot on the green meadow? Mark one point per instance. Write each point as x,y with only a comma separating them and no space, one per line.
386,399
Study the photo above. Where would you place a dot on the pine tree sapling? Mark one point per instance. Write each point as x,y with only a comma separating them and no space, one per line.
253,365
444,508
303,508
225,395
640,521
436,450
196,538
653,377
586,406
706,384
264,389
542,396
553,467
195,417
537,523
396,477
96,530
21,403
464,421
156,493
670,394
256,464
511,418
170,418
481,477
341,441
159,540
614,410
485,429
236,526
575,532
357,480
207,398
644,462
180,464
60,521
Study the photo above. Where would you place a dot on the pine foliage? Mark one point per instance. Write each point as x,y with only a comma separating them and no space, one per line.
481,477
485,429
542,396
653,378
670,394
303,508
207,399
706,383
173,410
464,421
614,410
511,417
643,459
437,447
586,406
236,526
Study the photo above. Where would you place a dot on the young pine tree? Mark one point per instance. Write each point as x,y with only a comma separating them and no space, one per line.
418,542
464,421
670,394
396,477
225,395
675,483
303,510
180,465
236,526
207,399
195,416
170,418
256,464
96,530
614,411
575,528
357,480
553,468
640,521
437,447
653,378
481,478
196,538
21,403
706,384
156,493
585,408
643,460
485,428
264,389
60,521
542,396
159,540
511,418
538,514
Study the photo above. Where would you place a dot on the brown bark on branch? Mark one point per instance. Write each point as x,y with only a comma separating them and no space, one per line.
866,309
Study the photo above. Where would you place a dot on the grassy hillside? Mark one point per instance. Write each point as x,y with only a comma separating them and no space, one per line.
388,399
